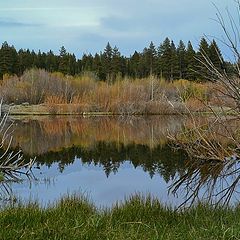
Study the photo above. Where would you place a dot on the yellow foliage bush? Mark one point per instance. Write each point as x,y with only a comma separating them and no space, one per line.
38,86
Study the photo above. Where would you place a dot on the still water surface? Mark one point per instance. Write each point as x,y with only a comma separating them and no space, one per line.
111,158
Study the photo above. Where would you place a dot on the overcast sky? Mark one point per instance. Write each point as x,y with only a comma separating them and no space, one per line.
87,25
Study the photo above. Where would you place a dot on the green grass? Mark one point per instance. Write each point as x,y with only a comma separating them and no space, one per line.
137,218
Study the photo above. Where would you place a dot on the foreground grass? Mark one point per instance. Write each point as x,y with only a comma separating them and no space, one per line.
137,218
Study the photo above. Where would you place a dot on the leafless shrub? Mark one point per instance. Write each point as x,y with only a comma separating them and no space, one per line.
12,163
204,141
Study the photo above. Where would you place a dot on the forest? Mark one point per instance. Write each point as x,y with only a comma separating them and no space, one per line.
168,61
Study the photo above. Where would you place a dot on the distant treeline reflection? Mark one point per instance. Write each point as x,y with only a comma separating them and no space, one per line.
211,182
110,155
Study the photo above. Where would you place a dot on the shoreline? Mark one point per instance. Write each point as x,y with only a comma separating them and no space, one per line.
77,110
71,109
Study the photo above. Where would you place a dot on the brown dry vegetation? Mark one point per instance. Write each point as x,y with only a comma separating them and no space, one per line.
125,96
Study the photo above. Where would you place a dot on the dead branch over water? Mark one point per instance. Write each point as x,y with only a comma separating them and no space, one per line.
214,183
12,164
205,141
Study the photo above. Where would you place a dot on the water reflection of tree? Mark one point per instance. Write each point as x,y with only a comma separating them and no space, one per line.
215,183
52,134
111,155
5,191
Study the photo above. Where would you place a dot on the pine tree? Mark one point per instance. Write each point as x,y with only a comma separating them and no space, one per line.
51,63
79,66
203,54
190,62
15,61
87,62
181,55
215,56
107,62
41,60
72,64
97,66
204,47
151,58
173,62
143,65
5,59
108,51
63,61
124,65
164,56
116,62
148,61
134,65
168,61
27,60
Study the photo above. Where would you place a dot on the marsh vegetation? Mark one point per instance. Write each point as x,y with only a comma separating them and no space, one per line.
187,158
137,218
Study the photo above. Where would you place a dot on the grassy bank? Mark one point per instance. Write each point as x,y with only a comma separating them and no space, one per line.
138,218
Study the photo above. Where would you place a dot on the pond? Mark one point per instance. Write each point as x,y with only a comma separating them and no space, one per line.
109,159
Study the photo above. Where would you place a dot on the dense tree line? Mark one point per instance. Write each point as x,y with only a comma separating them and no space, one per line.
167,60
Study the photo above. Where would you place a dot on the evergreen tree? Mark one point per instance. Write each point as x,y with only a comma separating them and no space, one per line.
41,60
107,62
124,65
108,51
97,66
151,59
27,60
116,63
215,56
72,64
181,55
164,56
148,61
63,61
87,62
168,62
14,61
190,62
144,64
78,66
51,62
202,55
174,62
134,65
204,47
5,59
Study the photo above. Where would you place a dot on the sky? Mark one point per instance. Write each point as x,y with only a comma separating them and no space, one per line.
85,26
